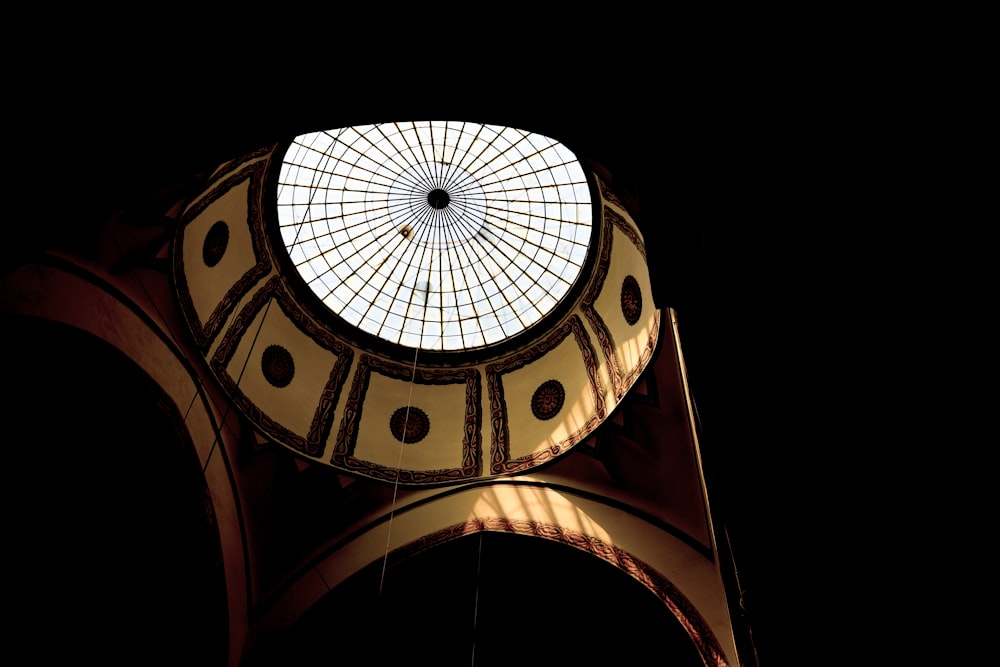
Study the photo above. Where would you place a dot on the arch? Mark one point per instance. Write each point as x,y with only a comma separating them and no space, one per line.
681,578
88,311
124,539
499,592
686,614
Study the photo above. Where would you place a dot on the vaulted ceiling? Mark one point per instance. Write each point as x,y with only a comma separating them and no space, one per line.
687,169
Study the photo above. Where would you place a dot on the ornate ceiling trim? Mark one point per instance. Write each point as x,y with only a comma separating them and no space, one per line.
347,436
608,196
626,229
501,461
587,306
620,382
273,292
253,174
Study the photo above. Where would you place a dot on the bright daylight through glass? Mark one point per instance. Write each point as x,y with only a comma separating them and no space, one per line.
435,235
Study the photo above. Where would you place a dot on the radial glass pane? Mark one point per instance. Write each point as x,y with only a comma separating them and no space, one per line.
463,234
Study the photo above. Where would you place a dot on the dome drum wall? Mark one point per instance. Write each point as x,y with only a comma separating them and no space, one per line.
308,382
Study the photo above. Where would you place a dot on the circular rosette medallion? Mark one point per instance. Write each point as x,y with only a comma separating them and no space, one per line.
409,424
548,400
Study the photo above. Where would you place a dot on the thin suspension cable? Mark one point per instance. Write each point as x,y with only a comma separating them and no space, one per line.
246,362
475,605
399,462
217,430
239,378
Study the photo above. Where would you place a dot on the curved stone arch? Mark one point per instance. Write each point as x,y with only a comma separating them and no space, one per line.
677,573
127,505
89,303
683,610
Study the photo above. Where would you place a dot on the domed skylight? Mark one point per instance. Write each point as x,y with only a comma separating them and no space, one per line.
435,235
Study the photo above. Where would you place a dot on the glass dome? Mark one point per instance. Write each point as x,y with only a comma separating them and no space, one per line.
435,235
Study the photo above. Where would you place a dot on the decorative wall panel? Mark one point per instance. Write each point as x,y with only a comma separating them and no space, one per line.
219,251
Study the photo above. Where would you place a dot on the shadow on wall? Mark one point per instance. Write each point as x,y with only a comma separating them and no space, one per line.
114,554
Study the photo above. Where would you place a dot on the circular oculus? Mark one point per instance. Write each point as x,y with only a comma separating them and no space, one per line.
435,235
